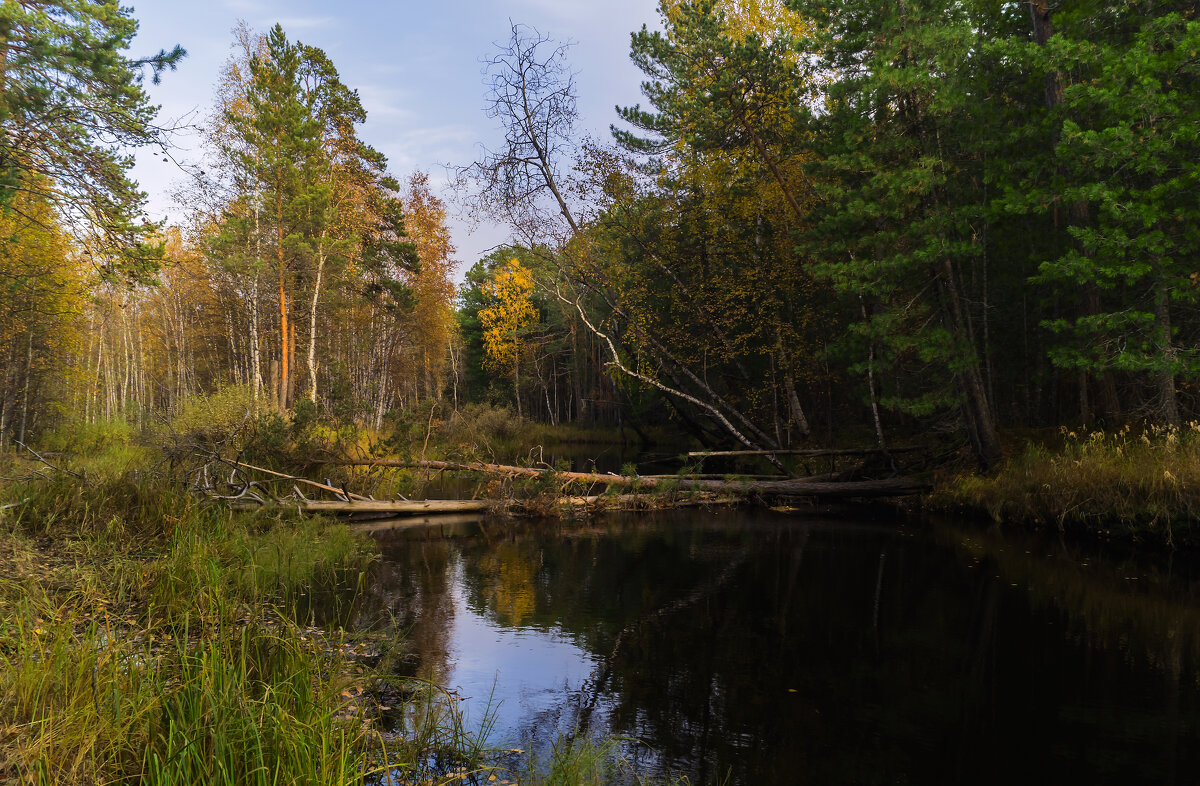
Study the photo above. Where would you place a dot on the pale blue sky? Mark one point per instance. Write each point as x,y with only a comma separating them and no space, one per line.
416,66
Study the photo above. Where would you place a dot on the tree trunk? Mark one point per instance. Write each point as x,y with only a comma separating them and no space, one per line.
789,385
291,386
517,385
284,344
799,487
312,321
1166,376
255,348
25,389
979,421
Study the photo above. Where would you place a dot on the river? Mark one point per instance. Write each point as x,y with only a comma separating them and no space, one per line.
760,647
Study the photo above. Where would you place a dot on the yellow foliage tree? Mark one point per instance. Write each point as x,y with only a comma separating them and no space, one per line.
510,312
432,315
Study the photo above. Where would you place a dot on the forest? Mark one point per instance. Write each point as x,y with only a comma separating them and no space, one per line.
921,217
957,217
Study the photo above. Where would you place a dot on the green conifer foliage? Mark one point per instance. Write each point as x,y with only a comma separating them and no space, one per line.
72,106
899,170
1130,151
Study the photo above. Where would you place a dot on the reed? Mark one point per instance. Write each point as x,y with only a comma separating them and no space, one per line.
148,638
1142,483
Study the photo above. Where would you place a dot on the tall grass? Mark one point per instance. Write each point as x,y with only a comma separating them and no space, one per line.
148,638
101,449
246,705
592,761
1130,482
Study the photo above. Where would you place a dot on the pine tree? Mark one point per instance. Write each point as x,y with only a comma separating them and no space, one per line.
71,107
899,174
1129,150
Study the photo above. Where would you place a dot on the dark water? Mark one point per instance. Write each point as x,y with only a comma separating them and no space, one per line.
812,649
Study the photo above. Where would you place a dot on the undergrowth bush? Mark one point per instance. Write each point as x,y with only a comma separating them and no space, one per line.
220,418
481,430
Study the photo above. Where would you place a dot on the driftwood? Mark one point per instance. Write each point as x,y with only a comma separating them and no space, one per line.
792,487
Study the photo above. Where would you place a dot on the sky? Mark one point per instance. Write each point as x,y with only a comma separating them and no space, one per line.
416,64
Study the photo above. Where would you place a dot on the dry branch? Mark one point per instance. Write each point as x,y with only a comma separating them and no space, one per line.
341,492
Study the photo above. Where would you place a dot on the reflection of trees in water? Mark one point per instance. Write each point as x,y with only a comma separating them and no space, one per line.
503,577
412,591
905,666
1139,607
826,654
1132,612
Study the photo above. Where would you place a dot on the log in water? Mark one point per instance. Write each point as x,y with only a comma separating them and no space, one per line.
792,487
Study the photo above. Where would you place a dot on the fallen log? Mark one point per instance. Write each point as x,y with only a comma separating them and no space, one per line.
412,507
795,487
813,453
714,476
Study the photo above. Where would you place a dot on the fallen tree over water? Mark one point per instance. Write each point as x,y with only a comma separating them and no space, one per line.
816,486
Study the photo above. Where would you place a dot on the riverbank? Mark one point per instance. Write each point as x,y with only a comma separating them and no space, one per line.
150,636
146,637
1142,485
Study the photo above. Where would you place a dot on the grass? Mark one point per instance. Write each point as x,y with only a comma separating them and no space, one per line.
579,762
240,705
1142,483
147,637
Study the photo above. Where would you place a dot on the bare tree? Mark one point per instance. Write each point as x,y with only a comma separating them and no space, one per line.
531,92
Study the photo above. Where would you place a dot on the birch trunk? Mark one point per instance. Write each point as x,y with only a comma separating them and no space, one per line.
25,389
255,348
312,321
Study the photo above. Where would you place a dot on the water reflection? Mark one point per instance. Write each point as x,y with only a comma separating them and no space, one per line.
811,650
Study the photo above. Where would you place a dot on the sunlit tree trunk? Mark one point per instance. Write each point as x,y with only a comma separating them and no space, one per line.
312,320
25,389
255,347
284,345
